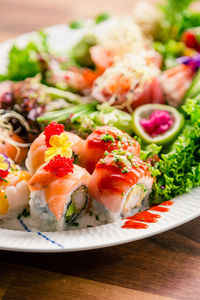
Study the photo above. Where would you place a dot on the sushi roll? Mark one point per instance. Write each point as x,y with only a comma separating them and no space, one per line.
121,183
36,154
130,82
59,192
105,139
14,190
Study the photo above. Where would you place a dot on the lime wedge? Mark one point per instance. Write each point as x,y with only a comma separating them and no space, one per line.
145,111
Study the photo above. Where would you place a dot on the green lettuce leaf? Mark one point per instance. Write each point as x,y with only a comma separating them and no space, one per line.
105,115
180,166
24,62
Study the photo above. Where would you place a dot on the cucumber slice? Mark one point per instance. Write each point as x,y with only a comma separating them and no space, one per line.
79,199
145,111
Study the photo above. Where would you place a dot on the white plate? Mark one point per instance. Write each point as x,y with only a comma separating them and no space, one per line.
185,208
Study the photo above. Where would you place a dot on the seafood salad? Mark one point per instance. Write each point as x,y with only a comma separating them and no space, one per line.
106,124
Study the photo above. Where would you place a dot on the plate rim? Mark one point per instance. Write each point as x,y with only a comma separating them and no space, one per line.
101,244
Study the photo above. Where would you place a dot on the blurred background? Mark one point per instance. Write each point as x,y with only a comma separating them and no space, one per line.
19,16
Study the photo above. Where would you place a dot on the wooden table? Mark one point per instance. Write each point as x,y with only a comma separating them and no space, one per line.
166,266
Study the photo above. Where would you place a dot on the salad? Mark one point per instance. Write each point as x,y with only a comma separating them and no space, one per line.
104,128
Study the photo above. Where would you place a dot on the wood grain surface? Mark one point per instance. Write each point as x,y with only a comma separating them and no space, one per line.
166,266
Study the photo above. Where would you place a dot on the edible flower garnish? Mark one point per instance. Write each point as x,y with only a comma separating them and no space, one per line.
59,144
3,175
4,162
60,166
52,129
4,167
193,61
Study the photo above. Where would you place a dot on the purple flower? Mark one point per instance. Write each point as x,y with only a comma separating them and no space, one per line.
4,162
193,61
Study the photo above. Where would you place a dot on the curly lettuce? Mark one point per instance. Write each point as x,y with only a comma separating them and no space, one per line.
179,168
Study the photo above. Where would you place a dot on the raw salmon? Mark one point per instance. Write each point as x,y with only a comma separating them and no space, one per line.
130,82
58,191
37,150
121,183
103,139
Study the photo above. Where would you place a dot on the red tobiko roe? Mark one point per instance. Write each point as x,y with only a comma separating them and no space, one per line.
52,129
159,122
3,174
60,166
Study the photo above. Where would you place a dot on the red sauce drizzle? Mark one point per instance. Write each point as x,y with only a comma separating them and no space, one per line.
167,203
145,216
159,208
134,225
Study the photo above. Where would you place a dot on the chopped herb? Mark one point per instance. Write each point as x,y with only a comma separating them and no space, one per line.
116,159
130,157
102,161
122,161
101,18
97,218
76,24
106,153
107,138
3,179
75,224
122,194
119,152
5,197
119,144
90,213
124,170
119,138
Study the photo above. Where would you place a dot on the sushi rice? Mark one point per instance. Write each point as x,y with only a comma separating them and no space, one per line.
59,201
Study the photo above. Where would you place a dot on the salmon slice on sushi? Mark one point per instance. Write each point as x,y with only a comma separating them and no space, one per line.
14,190
36,154
121,182
105,139
59,192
